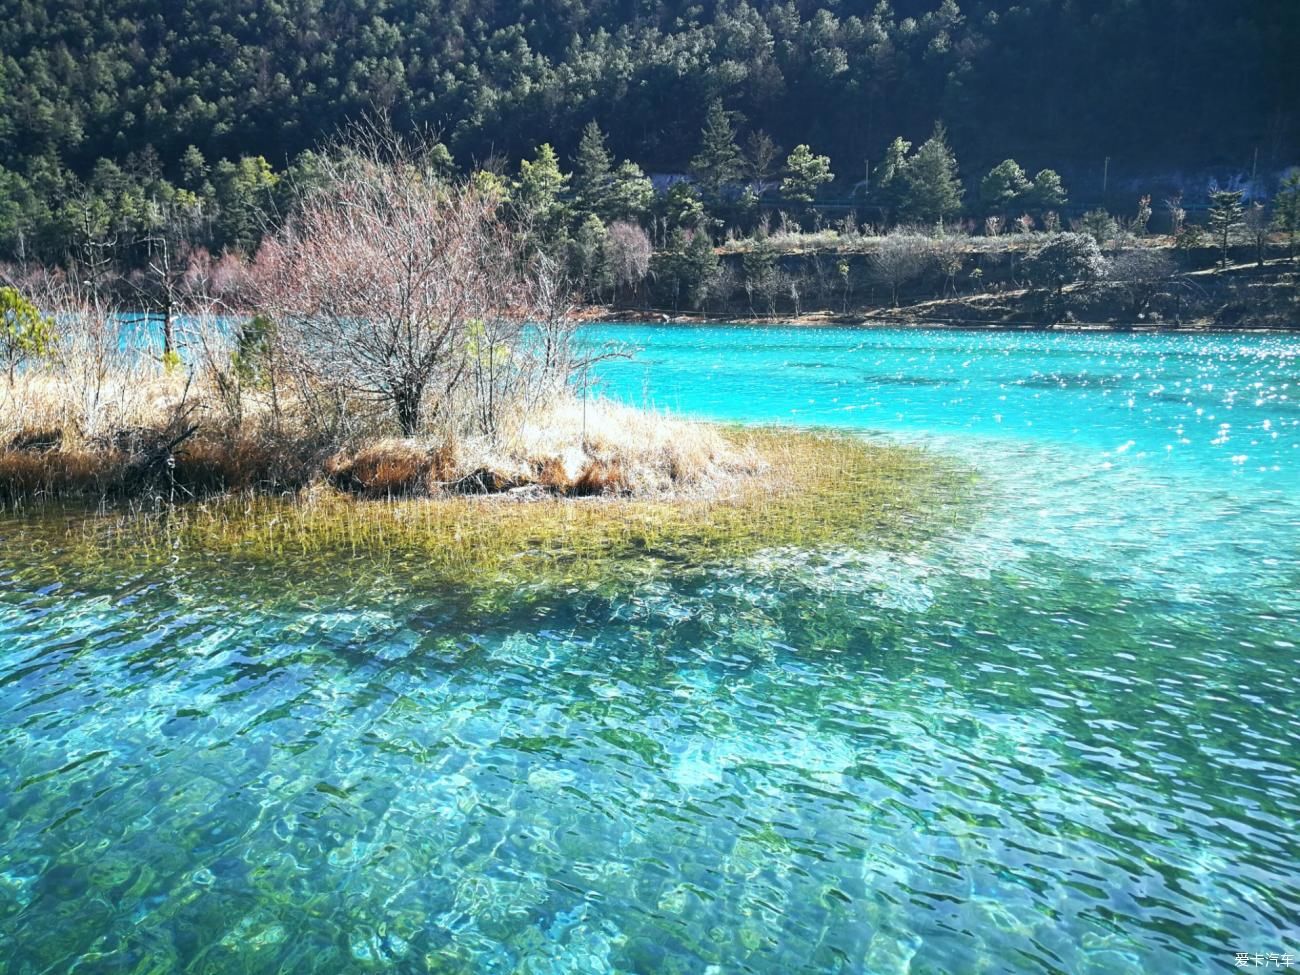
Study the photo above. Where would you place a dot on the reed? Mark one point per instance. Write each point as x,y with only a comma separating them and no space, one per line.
566,491
814,489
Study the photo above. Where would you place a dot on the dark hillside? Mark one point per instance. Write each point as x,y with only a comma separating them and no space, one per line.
1191,82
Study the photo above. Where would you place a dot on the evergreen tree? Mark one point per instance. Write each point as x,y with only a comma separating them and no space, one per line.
686,267
1004,187
701,264
244,196
806,174
24,332
630,195
1047,193
491,185
1286,211
761,275
891,175
718,161
1099,225
80,82
932,188
21,212
682,207
1227,215
588,260
194,169
591,170
1066,259
537,195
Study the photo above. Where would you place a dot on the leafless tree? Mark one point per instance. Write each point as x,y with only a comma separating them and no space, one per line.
819,277
226,280
791,285
1174,206
722,284
1140,274
761,154
899,258
949,254
162,284
629,252
1258,227
389,284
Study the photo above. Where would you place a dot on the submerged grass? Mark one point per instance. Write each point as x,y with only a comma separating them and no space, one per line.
815,489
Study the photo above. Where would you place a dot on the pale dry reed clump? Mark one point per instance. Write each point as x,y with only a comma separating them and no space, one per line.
46,403
647,453
57,438
564,447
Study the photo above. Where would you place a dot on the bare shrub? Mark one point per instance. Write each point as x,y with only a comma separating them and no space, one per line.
899,258
390,286
949,255
629,253
1140,274
1066,259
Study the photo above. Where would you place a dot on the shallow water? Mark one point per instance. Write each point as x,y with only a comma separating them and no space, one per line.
1064,740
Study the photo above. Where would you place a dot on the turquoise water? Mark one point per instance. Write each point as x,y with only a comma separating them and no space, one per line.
1065,739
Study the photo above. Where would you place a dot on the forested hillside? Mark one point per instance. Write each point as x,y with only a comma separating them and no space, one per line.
1190,81
107,106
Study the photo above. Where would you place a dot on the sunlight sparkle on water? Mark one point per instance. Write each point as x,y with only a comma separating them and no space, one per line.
1062,739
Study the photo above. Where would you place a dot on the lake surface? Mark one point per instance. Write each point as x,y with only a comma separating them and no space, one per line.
1066,739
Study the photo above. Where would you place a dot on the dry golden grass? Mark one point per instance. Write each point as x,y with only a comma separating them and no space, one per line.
390,468
47,449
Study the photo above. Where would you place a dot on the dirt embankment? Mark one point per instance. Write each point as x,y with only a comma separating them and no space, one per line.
1242,296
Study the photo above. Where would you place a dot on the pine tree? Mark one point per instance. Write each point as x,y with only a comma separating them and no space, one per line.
1227,215
244,194
24,332
718,161
807,173
1004,186
701,262
682,206
588,259
1047,192
591,169
687,266
891,175
537,196
630,195
933,190
194,168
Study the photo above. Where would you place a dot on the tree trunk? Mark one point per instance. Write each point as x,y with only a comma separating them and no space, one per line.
406,401
167,336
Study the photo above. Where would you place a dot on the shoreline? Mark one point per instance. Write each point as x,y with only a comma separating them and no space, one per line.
901,319
1241,298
